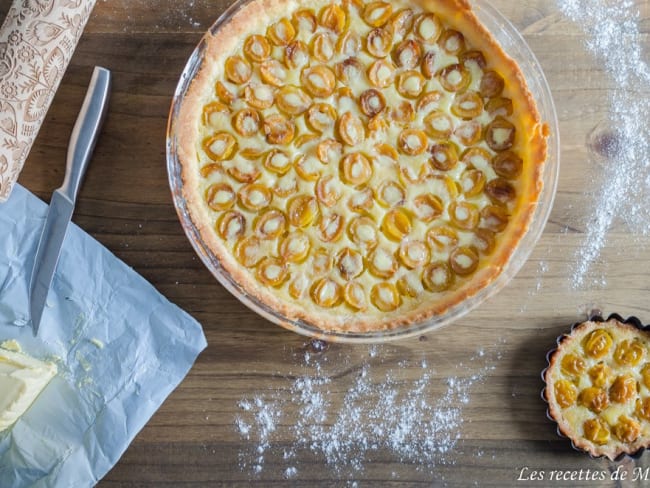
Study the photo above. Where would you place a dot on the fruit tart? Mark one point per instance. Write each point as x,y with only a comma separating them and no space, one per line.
598,386
359,166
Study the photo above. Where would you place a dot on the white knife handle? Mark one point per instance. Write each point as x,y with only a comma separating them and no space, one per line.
85,131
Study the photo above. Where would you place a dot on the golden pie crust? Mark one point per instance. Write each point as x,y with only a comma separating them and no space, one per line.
359,166
598,387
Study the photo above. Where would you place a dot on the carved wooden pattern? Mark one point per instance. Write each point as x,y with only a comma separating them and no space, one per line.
37,40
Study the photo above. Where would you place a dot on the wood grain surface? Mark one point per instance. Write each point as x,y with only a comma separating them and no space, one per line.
192,440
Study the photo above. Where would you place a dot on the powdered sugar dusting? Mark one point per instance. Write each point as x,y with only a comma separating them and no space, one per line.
413,419
265,416
622,142
176,15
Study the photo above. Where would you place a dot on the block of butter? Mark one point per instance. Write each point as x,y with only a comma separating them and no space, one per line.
22,379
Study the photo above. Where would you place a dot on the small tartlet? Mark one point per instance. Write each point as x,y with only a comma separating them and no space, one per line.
598,386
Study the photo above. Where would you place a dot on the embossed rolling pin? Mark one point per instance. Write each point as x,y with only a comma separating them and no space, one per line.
37,40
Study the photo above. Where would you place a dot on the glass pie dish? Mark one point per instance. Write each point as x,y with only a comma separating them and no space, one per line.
512,43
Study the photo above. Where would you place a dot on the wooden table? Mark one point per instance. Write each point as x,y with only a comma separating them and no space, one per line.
192,441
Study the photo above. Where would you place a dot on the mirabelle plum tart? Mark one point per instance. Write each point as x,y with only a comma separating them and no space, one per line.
597,386
361,165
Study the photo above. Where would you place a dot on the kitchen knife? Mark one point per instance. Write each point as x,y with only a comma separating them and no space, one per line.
80,149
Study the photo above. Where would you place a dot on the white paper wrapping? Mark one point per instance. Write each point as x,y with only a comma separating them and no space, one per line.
120,346
37,40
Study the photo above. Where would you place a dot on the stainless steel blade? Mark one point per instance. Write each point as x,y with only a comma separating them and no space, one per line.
47,255
82,143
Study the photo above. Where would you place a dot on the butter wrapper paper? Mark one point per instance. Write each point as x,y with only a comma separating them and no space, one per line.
37,40
120,347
